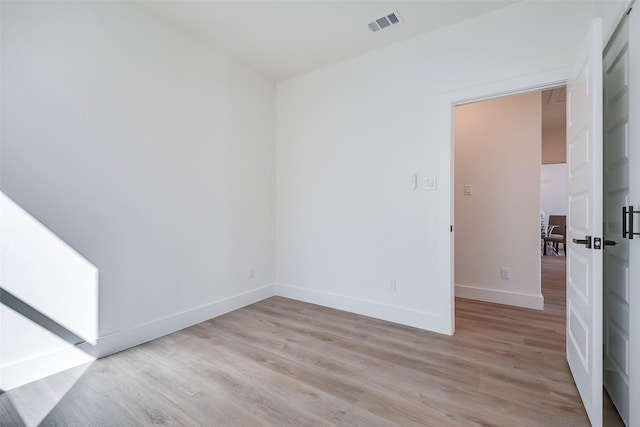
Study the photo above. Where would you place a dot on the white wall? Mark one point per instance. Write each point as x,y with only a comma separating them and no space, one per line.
351,135
554,146
57,282
554,126
497,152
148,152
553,189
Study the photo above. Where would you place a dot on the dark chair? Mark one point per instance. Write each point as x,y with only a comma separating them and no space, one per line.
558,235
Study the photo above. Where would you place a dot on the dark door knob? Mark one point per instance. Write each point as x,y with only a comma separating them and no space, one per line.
586,241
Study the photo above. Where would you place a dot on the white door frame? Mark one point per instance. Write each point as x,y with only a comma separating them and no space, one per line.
448,102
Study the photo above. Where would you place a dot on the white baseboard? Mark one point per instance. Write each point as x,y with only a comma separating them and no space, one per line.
118,341
26,371
501,297
23,372
414,318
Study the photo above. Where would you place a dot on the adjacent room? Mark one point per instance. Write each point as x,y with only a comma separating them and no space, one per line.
246,213
504,148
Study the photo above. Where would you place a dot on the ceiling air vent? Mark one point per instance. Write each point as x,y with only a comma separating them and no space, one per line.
386,21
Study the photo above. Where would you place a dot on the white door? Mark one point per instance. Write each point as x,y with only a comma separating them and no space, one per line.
616,196
584,223
634,190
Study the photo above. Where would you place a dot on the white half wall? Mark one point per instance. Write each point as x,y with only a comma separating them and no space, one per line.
351,135
147,151
497,226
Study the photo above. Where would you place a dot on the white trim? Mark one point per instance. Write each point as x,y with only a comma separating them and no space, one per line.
128,338
414,318
444,239
500,297
26,371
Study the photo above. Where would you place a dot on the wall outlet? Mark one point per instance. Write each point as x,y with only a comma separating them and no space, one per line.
251,273
505,273
392,285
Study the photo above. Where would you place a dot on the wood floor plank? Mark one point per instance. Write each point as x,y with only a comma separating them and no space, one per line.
281,362
8,413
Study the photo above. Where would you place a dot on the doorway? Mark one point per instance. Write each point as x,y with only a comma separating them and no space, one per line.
498,146
553,173
510,195
448,102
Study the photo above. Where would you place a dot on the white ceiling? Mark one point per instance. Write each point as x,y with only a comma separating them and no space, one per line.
284,38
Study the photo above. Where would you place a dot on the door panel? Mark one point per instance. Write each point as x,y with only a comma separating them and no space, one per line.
616,195
579,271
584,265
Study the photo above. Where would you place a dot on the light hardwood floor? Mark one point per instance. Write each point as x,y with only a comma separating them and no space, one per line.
281,362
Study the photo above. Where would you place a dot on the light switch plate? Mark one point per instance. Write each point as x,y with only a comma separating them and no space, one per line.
468,190
414,181
429,183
